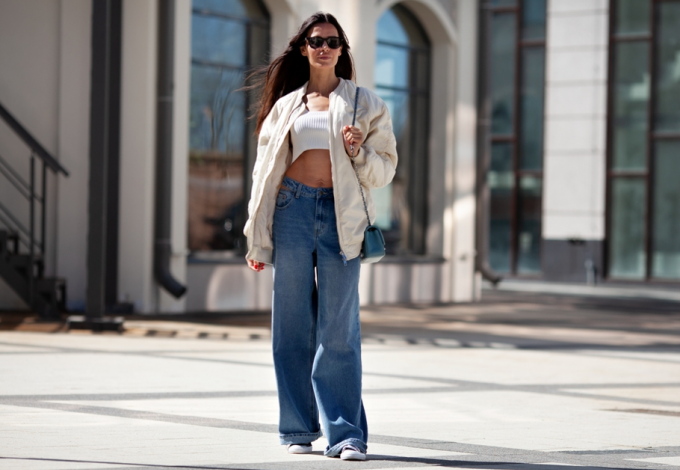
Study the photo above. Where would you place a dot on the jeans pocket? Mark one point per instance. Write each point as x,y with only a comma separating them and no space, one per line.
284,198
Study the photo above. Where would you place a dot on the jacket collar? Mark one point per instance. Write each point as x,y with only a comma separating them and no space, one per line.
302,91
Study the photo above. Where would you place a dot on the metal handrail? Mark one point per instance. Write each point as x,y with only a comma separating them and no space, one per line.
29,140
17,226
16,180
35,234
4,221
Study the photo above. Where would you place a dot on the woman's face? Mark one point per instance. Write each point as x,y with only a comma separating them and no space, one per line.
324,56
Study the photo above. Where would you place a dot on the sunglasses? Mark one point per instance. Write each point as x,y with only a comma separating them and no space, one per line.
316,42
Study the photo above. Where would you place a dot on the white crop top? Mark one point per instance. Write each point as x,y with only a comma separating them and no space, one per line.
310,131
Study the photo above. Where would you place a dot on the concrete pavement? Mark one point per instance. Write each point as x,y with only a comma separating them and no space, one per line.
519,381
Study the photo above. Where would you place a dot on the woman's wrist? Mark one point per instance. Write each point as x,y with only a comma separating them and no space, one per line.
358,154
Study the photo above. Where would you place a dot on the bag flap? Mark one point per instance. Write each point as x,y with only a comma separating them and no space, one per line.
374,229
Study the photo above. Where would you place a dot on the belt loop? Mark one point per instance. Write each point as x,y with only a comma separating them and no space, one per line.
298,191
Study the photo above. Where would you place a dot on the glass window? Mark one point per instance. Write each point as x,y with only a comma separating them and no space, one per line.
644,210
531,129
501,182
629,105
218,41
402,73
511,127
631,16
212,129
627,238
391,30
666,218
391,67
533,19
667,80
529,226
228,38
244,10
502,72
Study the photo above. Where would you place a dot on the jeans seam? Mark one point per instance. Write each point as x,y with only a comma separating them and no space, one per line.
311,368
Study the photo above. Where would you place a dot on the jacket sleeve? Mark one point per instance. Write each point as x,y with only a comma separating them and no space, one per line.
377,157
262,143
263,139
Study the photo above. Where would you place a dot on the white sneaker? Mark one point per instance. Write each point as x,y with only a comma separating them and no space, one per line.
300,448
352,453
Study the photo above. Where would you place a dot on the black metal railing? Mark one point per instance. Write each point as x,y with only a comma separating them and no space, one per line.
32,238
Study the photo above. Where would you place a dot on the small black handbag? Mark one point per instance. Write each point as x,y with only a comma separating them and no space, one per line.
373,246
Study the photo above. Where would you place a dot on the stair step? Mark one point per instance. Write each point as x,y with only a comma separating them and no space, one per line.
48,284
53,290
7,237
49,293
23,260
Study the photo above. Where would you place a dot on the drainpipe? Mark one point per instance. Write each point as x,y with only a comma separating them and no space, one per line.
481,232
481,216
483,160
164,121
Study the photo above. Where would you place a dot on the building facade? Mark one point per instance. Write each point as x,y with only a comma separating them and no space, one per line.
537,139
579,138
427,214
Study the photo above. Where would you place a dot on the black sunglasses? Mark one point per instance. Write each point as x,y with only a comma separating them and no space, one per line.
316,42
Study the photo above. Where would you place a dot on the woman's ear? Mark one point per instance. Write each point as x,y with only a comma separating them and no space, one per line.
303,50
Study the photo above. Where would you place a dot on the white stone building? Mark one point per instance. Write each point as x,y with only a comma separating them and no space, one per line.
537,139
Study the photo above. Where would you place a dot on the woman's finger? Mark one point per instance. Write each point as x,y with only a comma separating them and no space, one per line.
355,135
255,265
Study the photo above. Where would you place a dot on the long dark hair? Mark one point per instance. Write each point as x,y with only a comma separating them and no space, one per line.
290,70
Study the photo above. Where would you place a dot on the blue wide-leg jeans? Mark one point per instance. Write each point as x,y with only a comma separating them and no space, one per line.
316,334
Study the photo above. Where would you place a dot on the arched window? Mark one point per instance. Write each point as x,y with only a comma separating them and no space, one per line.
402,78
228,38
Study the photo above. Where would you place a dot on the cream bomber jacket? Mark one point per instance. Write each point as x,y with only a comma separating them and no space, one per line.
376,161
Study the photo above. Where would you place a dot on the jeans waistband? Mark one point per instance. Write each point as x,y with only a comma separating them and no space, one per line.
302,190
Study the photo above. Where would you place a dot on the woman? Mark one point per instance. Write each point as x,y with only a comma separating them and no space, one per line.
306,218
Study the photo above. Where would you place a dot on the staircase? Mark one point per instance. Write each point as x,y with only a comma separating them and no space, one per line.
22,226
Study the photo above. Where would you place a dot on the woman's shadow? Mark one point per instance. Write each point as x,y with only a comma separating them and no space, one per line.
391,460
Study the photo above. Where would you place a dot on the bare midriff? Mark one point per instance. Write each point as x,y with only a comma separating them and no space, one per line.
312,168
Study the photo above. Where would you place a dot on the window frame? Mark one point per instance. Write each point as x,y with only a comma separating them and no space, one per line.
249,141
652,136
487,139
418,194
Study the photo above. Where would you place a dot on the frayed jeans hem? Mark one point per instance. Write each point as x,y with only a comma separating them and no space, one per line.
336,450
304,438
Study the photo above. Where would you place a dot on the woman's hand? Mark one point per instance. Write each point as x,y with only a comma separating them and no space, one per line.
352,135
255,265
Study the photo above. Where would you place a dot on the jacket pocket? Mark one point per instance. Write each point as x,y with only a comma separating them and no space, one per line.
284,198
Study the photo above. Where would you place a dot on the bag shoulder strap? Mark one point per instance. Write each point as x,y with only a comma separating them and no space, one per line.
354,163
356,104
